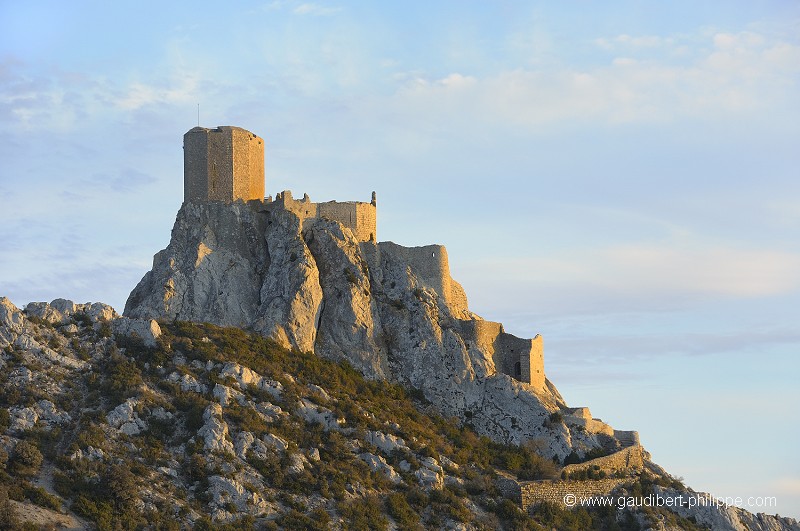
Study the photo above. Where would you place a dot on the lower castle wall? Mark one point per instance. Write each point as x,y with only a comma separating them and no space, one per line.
554,492
631,458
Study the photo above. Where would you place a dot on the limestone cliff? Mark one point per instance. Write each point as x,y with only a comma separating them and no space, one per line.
393,312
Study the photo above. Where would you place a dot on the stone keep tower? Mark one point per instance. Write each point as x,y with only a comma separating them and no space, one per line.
222,164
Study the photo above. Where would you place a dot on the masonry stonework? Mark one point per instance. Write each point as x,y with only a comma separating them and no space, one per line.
522,359
627,462
222,164
360,218
555,491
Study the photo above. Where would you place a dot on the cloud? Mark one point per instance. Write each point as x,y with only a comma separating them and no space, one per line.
124,181
658,271
728,73
315,10
787,486
716,270
624,348
590,282
181,88
641,41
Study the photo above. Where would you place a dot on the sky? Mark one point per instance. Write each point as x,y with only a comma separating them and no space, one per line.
620,177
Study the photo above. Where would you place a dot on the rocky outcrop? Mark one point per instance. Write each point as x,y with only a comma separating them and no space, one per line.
392,312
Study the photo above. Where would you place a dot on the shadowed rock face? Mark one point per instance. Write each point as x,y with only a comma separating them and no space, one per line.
314,287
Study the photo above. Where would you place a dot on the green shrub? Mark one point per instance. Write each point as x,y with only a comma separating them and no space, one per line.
8,517
364,514
402,513
318,520
123,380
27,459
42,498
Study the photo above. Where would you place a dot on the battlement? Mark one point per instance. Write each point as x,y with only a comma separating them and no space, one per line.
359,217
222,164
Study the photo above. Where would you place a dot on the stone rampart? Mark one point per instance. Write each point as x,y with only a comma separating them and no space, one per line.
581,416
626,437
531,493
360,218
430,264
534,492
627,460
522,359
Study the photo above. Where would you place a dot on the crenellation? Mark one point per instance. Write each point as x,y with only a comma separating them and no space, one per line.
360,218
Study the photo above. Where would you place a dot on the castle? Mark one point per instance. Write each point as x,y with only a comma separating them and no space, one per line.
227,164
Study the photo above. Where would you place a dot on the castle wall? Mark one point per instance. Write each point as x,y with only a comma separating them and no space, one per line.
247,165
360,218
528,353
483,335
581,416
554,492
195,165
222,164
430,264
531,493
522,359
626,460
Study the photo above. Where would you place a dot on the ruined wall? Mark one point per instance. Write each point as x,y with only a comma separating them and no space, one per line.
530,493
360,218
432,267
222,164
627,437
535,492
522,359
581,416
629,459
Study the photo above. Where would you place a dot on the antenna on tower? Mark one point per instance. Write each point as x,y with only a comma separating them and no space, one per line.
198,115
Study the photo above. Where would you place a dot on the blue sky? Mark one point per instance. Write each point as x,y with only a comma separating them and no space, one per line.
621,177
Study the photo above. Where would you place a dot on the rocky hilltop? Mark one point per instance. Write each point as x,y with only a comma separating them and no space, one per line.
391,311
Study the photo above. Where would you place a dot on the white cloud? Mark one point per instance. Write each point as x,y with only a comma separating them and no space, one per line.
630,277
315,10
789,487
714,270
182,88
737,73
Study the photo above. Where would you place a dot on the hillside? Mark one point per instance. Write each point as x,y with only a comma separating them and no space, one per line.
125,424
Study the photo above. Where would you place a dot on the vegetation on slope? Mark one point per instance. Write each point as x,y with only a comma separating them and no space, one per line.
285,468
